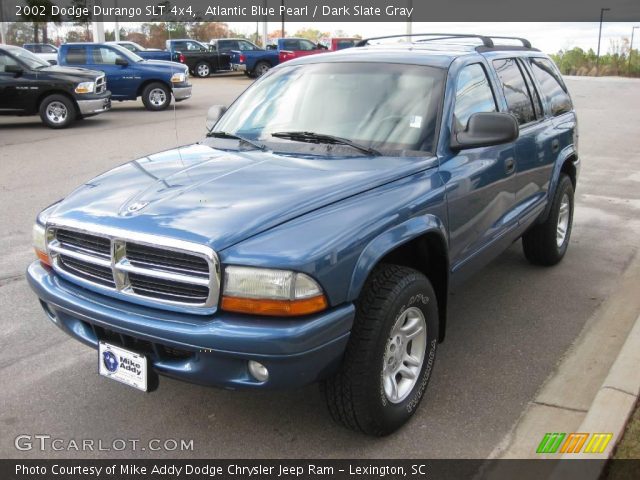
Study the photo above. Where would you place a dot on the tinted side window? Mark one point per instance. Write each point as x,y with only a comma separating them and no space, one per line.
6,60
552,86
533,92
76,55
245,45
49,49
104,56
290,45
473,95
515,90
307,45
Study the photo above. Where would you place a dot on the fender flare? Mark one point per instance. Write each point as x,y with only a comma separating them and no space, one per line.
386,242
566,153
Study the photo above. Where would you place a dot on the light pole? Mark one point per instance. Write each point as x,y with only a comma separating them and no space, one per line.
633,30
282,4
602,10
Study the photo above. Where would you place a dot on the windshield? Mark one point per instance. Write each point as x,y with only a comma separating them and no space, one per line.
378,105
29,59
129,55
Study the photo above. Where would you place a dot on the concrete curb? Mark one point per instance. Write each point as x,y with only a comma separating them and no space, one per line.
601,363
614,403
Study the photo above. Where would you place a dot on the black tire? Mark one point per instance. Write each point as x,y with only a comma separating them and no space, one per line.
203,69
156,96
260,69
57,111
356,395
541,243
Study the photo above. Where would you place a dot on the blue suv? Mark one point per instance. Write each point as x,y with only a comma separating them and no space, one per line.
130,76
315,233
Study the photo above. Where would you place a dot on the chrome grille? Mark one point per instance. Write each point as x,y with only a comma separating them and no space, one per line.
138,266
101,84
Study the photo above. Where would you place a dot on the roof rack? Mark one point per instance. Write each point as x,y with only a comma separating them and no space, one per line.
487,40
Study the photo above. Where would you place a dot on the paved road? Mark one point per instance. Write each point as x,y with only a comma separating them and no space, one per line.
508,326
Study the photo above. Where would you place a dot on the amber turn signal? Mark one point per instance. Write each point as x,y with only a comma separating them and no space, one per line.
43,257
284,308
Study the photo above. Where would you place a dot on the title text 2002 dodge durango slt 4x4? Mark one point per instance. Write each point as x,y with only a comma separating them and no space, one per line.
315,233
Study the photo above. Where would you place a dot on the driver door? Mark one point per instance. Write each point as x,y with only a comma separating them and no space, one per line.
121,79
14,88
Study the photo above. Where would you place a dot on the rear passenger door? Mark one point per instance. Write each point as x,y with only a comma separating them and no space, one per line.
559,112
480,181
533,163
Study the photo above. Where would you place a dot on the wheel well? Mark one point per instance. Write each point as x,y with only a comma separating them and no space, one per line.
569,169
428,255
147,82
57,92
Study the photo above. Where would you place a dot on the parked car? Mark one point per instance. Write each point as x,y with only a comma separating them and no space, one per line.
254,63
227,45
46,51
290,48
201,60
29,86
317,231
148,53
336,44
129,75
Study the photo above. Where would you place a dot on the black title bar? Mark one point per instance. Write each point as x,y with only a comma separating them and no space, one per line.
319,10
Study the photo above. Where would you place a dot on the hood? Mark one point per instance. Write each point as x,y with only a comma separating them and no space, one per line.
219,198
70,72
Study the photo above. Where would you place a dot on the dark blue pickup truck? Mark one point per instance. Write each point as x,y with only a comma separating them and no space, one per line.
147,53
129,76
317,230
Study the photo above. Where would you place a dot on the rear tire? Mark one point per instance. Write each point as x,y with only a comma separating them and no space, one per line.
546,243
156,96
390,355
57,111
203,69
260,69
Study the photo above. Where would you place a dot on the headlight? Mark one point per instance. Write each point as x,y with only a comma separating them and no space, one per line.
85,87
262,291
178,78
40,243
39,234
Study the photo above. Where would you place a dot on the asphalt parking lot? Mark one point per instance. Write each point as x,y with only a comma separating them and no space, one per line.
508,327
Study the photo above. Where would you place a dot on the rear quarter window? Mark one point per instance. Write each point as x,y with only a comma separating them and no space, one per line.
552,86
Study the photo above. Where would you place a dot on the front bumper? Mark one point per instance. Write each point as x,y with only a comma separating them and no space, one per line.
181,93
94,106
239,67
207,350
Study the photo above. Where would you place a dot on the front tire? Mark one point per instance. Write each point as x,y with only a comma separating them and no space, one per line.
390,355
57,111
156,96
546,243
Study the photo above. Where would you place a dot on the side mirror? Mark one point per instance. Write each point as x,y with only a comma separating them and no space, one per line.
121,61
485,129
15,69
213,115
53,62
560,104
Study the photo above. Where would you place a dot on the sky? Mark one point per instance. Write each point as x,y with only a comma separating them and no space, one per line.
548,37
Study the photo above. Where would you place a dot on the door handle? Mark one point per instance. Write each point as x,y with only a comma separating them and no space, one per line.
555,146
509,166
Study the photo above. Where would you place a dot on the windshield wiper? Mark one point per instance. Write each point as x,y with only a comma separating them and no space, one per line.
313,137
253,143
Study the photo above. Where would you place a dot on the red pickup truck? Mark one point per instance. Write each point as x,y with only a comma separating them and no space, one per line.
290,48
